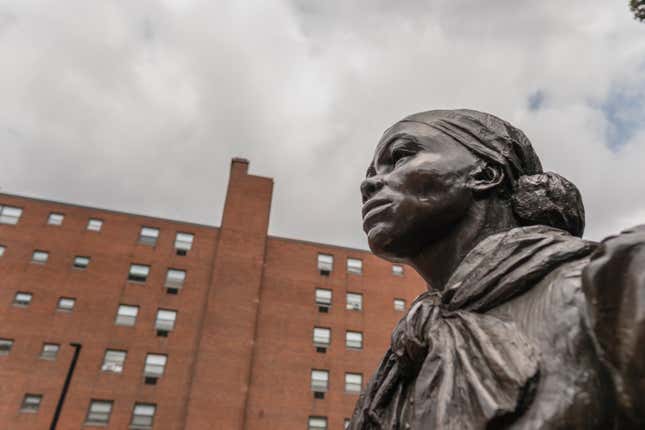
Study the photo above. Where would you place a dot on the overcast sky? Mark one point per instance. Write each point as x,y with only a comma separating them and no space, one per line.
140,105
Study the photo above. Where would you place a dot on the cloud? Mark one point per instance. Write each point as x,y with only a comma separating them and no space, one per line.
139,106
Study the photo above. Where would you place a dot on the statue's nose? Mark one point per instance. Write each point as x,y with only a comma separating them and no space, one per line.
370,186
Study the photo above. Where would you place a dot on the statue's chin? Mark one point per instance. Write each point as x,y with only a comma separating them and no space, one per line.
382,241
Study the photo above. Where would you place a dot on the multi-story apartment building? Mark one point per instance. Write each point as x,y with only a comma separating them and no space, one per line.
115,320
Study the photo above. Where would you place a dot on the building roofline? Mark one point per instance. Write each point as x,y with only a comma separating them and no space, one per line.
326,245
270,236
58,202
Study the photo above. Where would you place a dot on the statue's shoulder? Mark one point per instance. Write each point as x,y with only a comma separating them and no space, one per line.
614,285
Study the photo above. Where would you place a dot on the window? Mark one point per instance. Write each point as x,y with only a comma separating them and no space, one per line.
353,383
183,243
31,402
22,299
397,270
148,236
10,215
99,412
325,264
142,416
317,423
354,301
323,299
81,262
5,346
155,364
113,361
94,224
165,322
354,339
49,351
322,338
174,280
346,423
2,250
126,315
319,380
138,273
39,257
66,304
55,219
399,304
355,266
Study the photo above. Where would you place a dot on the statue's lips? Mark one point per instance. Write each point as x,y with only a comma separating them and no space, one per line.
374,207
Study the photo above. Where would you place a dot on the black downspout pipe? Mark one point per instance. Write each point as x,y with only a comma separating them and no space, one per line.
68,379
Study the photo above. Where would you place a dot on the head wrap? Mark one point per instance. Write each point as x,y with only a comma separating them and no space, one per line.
537,197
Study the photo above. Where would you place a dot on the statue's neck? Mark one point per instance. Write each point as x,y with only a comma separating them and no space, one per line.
437,262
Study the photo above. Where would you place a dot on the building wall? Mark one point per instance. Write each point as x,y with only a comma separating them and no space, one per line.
241,353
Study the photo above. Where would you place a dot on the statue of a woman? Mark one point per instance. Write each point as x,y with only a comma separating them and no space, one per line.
524,325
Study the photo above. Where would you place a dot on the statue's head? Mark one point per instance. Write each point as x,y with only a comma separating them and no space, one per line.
430,168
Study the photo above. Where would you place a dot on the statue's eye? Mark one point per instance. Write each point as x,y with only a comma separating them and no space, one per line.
400,155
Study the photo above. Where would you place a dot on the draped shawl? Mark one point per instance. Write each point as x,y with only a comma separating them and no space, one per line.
459,367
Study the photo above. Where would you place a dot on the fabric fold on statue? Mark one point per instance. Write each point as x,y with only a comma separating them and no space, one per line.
461,368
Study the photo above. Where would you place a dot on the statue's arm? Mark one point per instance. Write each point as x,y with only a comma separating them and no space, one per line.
614,283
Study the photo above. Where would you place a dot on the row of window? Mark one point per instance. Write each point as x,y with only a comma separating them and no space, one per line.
354,265
99,411
354,301
320,382
322,339
320,423
147,235
113,360
126,315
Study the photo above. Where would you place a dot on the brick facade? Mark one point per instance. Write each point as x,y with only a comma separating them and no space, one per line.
241,352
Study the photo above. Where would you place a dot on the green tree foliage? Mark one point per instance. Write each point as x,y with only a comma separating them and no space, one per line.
638,7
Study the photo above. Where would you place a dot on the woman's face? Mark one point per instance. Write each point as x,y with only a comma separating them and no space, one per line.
416,189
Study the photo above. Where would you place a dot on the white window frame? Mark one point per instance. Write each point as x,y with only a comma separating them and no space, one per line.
353,382
136,273
99,412
354,301
317,423
175,278
399,305
149,235
354,339
397,270
155,365
325,263
39,256
114,360
319,380
55,218
141,416
2,250
183,242
81,262
94,224
163,323
355,266
31,402
320,296
23,298
49,351
64,304
126,315
322,337
5,346
10,214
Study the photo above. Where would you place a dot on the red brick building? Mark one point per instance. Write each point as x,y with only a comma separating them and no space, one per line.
119,321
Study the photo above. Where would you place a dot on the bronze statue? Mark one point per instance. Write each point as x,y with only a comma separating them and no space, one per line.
524,325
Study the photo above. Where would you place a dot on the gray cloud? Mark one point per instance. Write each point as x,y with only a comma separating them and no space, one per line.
139,106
